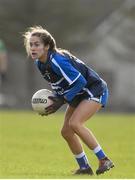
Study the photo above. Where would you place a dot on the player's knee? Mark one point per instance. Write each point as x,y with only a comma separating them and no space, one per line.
65,132
75,126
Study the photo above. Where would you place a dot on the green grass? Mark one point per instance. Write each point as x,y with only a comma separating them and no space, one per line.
32,147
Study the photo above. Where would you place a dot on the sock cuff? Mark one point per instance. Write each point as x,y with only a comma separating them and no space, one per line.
97,149
80,155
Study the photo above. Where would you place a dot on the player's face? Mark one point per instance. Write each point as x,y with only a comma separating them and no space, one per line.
37,49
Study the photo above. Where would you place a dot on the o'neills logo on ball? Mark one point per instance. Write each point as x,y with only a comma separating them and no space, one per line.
39,100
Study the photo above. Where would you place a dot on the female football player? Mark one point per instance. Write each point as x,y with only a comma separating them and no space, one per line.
76,84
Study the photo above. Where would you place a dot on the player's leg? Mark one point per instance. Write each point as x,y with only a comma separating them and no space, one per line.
75,145
85,110
69,135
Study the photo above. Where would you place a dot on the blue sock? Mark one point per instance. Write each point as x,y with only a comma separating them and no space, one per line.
82,160
99,152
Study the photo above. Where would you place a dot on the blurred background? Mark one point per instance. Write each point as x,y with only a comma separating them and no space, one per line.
101,33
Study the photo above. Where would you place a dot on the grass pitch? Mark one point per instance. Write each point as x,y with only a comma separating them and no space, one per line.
32,147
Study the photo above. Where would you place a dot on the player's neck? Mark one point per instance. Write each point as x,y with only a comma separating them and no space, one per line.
43,58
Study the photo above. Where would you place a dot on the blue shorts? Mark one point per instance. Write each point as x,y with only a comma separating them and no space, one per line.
102,99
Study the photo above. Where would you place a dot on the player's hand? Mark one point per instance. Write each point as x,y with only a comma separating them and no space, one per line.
57,103
43,114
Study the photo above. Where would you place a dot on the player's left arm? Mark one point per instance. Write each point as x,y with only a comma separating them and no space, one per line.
75,88
62,66
76,83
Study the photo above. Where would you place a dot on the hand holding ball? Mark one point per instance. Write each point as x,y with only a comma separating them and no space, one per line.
40,101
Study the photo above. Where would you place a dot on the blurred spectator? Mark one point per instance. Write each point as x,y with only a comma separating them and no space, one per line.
3,62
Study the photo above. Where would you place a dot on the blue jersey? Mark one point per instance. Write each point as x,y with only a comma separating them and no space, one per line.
69,76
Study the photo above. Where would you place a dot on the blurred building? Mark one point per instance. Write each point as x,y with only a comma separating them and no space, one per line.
103,37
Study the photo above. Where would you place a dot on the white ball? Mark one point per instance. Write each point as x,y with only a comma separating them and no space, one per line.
40,100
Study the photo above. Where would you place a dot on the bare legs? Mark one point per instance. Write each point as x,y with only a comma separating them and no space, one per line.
69,134
74,128
74,125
